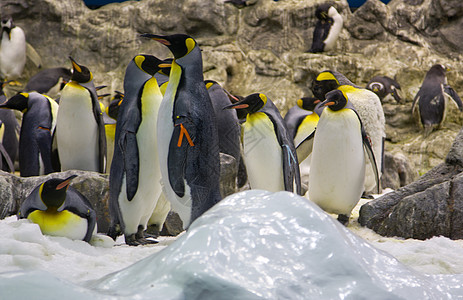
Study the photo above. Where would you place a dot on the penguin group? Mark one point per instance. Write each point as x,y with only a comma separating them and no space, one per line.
161,139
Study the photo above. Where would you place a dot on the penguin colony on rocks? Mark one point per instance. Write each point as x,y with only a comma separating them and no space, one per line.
160,140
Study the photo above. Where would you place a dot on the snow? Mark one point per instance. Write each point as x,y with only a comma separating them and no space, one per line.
252,245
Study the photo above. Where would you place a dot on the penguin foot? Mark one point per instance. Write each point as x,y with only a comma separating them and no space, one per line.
114,232
132,240
367,196
343,219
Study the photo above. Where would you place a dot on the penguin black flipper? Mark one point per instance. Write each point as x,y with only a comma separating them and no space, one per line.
31,203
371,157
129,147
6,159
321,31
56,165
44,142
453,94
101,130
78,204
304,149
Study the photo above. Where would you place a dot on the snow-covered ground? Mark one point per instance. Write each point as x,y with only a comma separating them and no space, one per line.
24,248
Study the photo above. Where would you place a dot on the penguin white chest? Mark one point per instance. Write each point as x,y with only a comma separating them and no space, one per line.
77,130
337,168
13,53
262,153
335,29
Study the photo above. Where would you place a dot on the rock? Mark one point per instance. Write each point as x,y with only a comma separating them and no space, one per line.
430,206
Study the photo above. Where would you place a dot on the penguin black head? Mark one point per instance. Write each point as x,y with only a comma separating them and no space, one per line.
437,70
113,108
53,191
335,100
249,104
80,74
322,11
323,83
179,44
308,103
7,25
19,102
148,63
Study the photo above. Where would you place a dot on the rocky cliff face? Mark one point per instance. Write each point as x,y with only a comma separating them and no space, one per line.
261,48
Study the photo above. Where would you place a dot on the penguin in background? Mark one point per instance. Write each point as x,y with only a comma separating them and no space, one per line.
188,142
227,122
370,110
60,210
35,141
337,171
431,102
384,86
269,153
6,163
12,50
327,28
80,133
135,176
49,81
11,131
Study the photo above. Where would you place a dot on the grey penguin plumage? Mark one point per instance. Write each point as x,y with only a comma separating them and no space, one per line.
35,141
430,103
11,130
60,210
269,153
6,164
135,177
80,133
337,169
327,28
49,81
187,133
383,86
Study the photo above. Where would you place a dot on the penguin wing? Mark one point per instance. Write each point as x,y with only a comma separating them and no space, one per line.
44,142
101,130
6,158
56,164
182,138
304,149
371,157
129,147
31,203
321,31
79,205
453,94
416,100
33,55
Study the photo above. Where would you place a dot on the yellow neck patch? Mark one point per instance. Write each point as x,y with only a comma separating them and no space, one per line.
208,85
190,44
346,89
326,76
299,103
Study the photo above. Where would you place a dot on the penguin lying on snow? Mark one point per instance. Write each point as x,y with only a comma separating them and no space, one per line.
383,86
35,140
188,142
327,29
368,107
80,132
430,103
337,170
60,210
269,152
135,177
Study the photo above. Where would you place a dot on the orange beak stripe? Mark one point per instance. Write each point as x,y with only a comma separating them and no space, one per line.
329,103
239,106
63,184
162,41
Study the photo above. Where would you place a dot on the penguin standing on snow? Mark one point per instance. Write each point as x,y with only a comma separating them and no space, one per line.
135,176
269,152
60,210
337,167
80,132
35,140
188,142
430,103
383,86
12,50
370,110
327,29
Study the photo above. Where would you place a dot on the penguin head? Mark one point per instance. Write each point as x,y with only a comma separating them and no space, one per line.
324,82
148,63
113,108
437,70
322,11
179,44
308,103
19,102
53,191
249,104
7,25
336,100
80,74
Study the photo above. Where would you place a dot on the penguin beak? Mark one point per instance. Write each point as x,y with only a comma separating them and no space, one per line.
165,65
65,183
157,38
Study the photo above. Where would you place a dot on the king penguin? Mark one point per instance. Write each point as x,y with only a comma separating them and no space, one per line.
370,110
35,140
80,132
11,131
6,164
49,81
431,102
269,153
337,167
60,210
327,29
384,86
188,142
135,176
12,50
